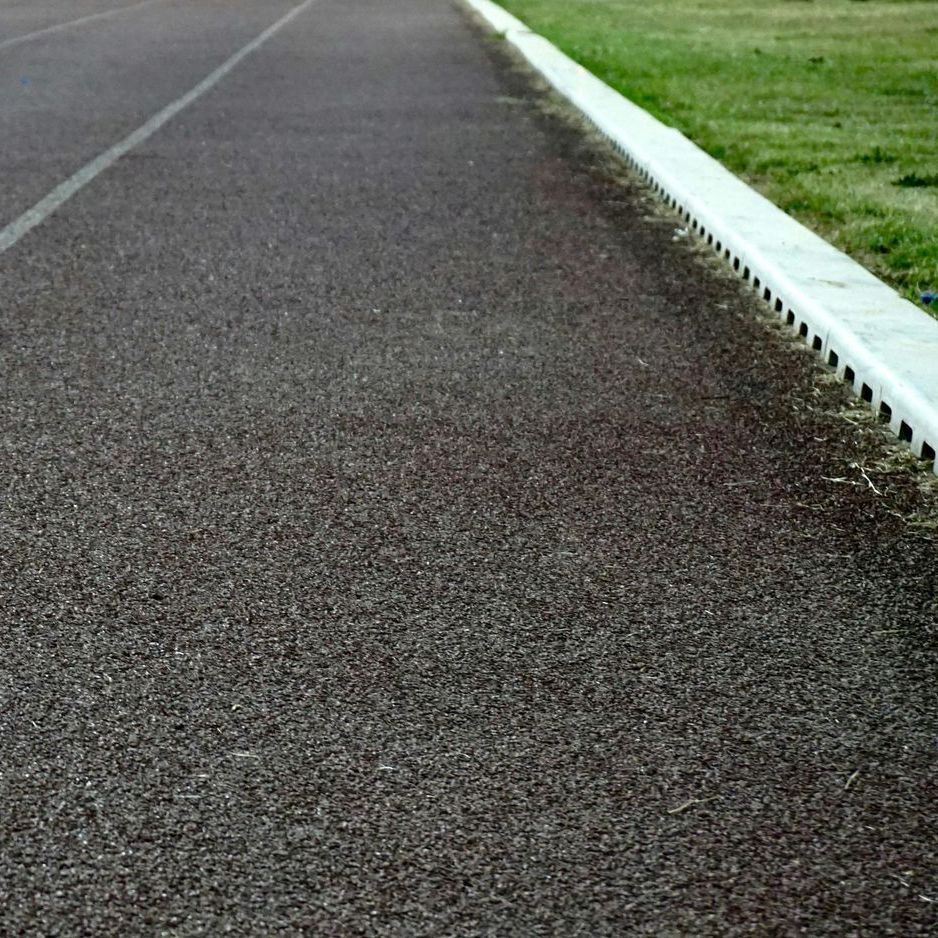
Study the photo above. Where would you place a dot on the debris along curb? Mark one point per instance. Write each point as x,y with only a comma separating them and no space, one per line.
882,345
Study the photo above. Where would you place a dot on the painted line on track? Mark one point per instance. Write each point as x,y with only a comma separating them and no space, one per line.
59,27
885,347
14,231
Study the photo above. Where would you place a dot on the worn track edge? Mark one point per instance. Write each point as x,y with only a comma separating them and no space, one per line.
882,345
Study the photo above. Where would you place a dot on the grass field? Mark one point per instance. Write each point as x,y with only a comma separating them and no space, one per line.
828,107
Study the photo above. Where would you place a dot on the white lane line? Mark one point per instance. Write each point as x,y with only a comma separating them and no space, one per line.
65,190
28,37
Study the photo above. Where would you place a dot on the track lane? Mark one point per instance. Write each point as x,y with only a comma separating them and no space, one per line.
21,21
51,202
394,542
70,24
70,96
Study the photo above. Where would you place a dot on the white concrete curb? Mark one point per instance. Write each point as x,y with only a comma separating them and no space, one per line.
881,344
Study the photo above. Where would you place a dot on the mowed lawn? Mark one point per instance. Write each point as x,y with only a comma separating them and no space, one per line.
828,107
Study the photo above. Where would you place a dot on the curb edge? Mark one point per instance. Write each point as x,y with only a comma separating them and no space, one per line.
880,344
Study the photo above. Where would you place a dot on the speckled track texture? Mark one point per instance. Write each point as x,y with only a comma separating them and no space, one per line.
402,536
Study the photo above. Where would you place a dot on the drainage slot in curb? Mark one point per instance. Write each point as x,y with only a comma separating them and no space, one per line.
885,411
832,358
817,344
849,375
790,318
866,393
928,453
905,432
803,330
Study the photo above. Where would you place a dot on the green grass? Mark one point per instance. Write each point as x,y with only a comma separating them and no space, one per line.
828,107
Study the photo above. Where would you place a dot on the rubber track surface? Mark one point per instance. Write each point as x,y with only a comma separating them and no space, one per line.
402,535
